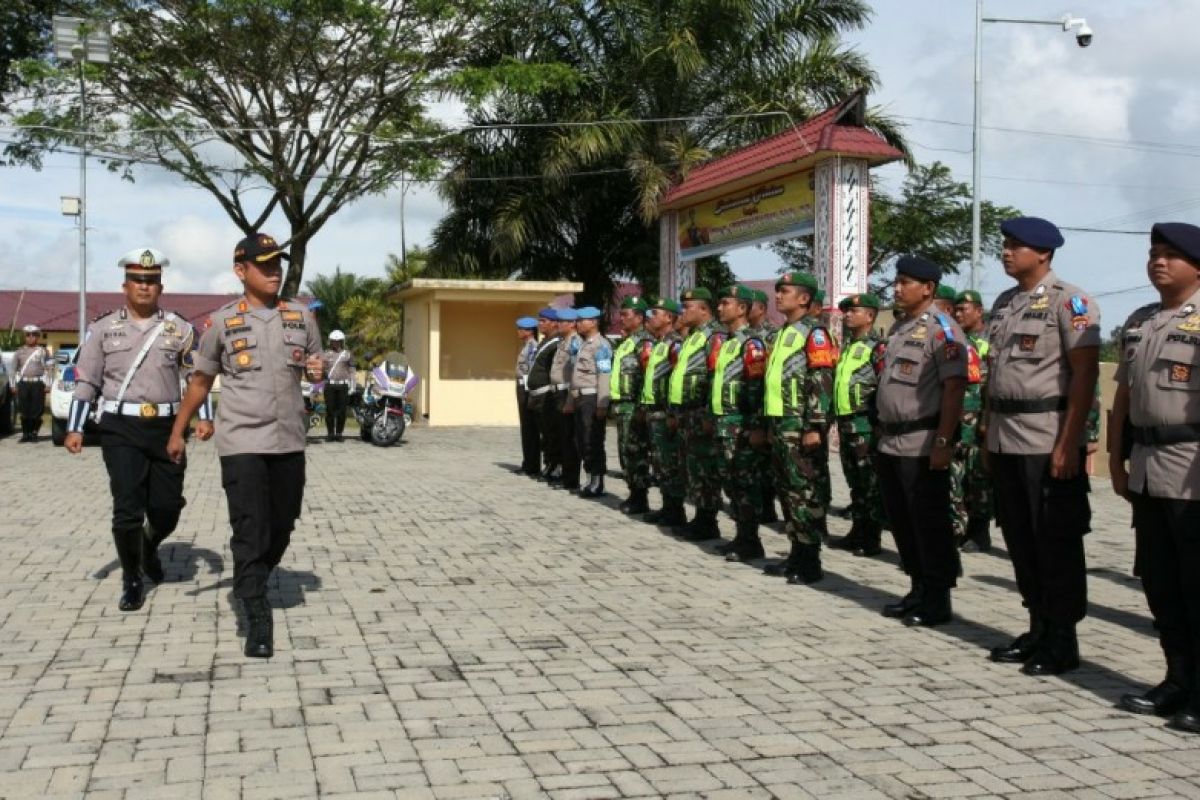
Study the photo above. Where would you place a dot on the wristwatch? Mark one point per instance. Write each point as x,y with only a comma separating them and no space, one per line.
941,441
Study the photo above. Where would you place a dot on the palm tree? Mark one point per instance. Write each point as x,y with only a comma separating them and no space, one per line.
374,319
334,291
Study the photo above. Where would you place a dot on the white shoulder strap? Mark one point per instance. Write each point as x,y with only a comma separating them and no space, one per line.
141,356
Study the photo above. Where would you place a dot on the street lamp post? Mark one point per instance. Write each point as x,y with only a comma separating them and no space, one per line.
1083,36
82,41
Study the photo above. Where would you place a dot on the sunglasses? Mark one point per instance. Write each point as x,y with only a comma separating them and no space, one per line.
149,280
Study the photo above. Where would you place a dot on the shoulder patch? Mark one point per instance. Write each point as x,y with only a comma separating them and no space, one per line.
944,321
1078,305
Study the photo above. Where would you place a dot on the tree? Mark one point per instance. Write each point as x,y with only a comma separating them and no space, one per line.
569,185
319,102
931,217
374,320
334,291
24,33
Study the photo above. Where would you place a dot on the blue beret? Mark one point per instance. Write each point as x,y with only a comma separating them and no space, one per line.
567,315
527,322
920,268
549,313
1183,237
590,312
1033,231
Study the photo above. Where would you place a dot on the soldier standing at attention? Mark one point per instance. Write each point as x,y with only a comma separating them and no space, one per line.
977,486
665,446
1045,345
736,404
339,384
625,387
855,382
531,456
796,403
765,330
1155,405
261,345
589,397
540,396
560,376
944,299
130,365
920,401
689,393
29,382
816,312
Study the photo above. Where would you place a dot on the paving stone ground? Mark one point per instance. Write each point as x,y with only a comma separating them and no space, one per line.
447,629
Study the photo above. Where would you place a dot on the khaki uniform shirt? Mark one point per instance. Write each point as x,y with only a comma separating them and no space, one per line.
592,368
564,356
1160,363
260,354
111,347
29,364
525,359
921,354
1030,335
343,372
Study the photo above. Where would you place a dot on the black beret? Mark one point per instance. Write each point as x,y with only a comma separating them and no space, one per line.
1183,237
1033,231
920,268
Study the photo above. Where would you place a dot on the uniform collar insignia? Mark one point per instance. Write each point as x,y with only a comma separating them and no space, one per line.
1188,309
1041,289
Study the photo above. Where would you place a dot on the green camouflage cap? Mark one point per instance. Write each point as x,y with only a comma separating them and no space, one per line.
819,296
699,293
667,304
760,297
738,292
635,301
945,292
969,296
864,300
804,280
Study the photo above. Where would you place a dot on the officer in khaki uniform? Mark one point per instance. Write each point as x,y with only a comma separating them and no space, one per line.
920,401
560,376
130,365
28,382
262,346
589,389
531,453
1156,418
540,396
665,442
339,384
1045,342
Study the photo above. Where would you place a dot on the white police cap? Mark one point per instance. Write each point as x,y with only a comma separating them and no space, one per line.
144,258
336,336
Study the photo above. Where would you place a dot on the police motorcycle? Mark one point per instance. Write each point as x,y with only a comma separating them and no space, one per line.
384,411
314,403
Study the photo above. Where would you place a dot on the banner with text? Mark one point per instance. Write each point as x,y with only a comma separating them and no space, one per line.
773,210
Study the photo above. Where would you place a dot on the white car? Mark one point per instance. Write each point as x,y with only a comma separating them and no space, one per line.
60,398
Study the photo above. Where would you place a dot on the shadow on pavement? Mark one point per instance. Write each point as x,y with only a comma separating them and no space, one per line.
1125,619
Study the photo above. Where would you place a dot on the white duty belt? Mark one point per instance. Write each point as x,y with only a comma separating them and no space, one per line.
143,410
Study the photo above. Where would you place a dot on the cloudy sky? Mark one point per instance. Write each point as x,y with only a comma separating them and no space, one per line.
1106,137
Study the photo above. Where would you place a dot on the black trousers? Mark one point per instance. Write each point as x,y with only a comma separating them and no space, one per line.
336,395
31,404
1043,520
146,485
531,454
567,450
917,500
264,492
546,410
1168,538
589,435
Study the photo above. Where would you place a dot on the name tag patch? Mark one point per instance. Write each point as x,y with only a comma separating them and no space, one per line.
293,316
234,322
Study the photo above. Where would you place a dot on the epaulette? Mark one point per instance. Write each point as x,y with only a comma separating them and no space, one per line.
104,314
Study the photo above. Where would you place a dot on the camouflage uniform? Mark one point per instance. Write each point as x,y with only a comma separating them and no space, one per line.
666,444
633,446
856,379
767,333
971,493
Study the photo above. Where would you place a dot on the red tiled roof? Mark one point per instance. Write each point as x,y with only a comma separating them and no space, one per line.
830,132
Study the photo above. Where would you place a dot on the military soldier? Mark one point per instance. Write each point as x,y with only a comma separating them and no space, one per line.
262,346
944,298
736,404
977,486
531,456
29,382
855,382
1156,419
540,396
766,330
625,388
1045,343
689,393
590,382
796,402
920,401
130,365
338,364
560,376
665,442
816,321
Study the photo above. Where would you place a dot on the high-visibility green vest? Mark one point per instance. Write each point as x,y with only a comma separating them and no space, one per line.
623,381
658,372
786,366
726,390
691,368
854,368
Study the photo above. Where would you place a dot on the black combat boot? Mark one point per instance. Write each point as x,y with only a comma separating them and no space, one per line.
703,527
748,547
1187,719
637,503
868,541
672,512
129,553
807,567
1169,696
1021,648
260,626
768,515
787,565
851,540
151,565
933,609
133,595
822,526
979,536
905,604
589,488
1057,653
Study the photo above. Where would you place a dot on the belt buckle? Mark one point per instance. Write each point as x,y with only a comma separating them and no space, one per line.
148,410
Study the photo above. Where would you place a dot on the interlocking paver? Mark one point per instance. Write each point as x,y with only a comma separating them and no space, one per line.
446,629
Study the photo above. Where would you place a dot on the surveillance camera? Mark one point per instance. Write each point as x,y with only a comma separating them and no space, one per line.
1084,35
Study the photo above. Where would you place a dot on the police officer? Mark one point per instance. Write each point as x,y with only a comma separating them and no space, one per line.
1045,344
920,400
531,456
262,346
540,396
665,442
796,403
977,486
338,364
689,393
1155,409
625,388
736,403
590,383
766,330
29,382
855,382
130,365
560,376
